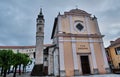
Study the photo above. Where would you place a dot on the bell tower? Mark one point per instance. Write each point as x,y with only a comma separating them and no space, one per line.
38,67
39,38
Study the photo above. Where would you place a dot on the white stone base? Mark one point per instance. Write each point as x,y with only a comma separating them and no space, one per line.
76,73
108,70
62,73
95,70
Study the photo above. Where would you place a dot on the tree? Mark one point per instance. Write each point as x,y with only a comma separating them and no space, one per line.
26,61
6,60
1,65
18,60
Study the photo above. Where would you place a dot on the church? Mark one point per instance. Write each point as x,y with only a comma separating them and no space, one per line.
77,47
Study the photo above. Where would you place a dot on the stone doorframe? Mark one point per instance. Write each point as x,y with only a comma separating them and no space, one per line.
79,61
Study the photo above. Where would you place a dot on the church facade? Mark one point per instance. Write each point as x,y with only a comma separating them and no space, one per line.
77,47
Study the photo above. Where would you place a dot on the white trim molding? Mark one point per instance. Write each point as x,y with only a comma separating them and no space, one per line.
73,40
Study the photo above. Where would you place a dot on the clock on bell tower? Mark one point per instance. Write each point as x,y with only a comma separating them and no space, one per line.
40,24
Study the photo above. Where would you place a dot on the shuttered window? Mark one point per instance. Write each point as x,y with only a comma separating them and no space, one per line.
117,50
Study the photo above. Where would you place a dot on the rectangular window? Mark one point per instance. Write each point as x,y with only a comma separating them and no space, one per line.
117,50
17,50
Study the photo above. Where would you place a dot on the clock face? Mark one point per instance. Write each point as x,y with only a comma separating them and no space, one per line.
79,26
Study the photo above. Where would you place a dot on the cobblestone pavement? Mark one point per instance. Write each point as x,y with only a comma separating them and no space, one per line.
105,75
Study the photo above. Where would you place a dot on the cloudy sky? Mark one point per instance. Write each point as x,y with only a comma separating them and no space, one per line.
18,18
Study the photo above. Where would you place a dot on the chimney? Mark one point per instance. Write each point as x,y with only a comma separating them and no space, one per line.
111,42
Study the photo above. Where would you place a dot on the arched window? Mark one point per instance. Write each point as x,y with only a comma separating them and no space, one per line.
40,29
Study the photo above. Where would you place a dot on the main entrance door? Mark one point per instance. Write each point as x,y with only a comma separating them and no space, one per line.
85,64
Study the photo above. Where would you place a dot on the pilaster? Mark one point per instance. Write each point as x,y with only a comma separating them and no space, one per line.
76,69
61,58
95,68
56,66
106,66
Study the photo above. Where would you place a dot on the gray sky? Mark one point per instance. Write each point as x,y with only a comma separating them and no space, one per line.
18,18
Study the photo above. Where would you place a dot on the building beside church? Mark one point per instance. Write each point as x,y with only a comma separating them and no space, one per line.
30,50
77,47
113,54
